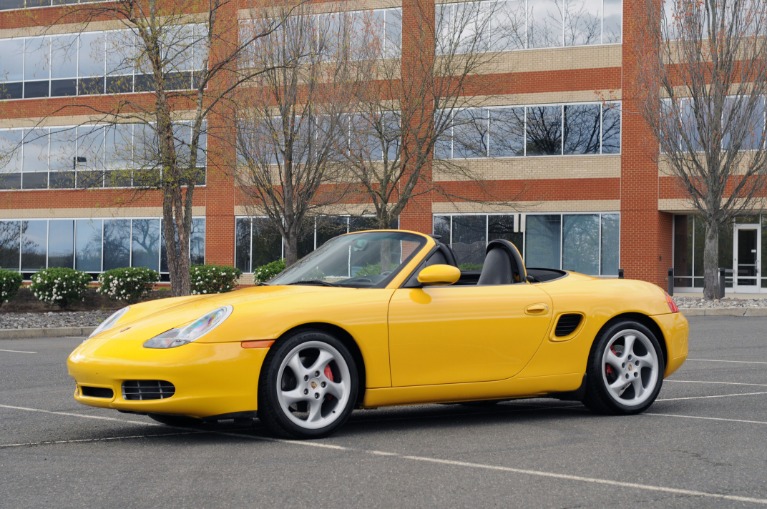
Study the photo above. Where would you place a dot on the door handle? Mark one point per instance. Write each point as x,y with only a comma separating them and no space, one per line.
537,309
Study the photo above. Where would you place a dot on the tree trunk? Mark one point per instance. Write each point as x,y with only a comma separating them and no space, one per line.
711,262
291,249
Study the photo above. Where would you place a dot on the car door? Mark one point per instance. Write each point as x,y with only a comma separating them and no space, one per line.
453,334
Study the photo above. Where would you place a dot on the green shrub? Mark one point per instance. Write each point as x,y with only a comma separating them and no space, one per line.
268,271
207,279
10,282
60,286
128,284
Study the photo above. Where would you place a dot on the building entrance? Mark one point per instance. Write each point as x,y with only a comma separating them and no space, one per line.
746,258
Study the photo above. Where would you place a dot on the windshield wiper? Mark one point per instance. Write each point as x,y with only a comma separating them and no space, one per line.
316,282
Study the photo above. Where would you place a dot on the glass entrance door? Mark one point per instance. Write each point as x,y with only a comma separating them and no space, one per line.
746,258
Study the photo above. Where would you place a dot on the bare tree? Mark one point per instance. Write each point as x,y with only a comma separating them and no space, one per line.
706,86
408,105
294,124
186,56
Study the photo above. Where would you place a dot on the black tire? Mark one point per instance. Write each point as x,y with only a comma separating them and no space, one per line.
308,386
179,421
625,370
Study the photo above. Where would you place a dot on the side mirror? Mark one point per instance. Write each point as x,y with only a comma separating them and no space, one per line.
439,275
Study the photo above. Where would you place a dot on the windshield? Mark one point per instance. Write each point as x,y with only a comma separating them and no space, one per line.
357,260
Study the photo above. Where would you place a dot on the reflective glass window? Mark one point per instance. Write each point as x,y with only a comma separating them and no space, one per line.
470,133
611,128
545,28
502,227
88,245
35,163
612,28
544,130
242,243
37,58
441,228
393,30
507,132
118,146
610,258
582,22
63,56
117,243
61,240
543,240
34,244
10,158
10,244
63,148
12,63
329,227
582,128
197,241
469,240
146,244
580,243
92,54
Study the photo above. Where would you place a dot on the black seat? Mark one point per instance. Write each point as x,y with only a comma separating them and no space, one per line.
503,264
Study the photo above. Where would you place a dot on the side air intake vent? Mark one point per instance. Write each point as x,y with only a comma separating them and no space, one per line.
567,325
147,389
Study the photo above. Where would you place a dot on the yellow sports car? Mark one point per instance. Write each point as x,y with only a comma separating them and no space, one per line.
384,318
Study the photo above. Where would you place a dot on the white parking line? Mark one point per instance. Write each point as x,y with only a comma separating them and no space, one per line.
713,383
714,397
16,351
102,439
425,459
721,419
83,416
722,360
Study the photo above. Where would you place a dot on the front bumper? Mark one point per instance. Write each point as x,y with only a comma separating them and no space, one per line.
675,330
209,378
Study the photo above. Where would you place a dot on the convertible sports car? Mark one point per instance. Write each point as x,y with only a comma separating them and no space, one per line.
384,318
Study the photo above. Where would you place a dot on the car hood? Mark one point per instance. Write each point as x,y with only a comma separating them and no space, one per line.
250,307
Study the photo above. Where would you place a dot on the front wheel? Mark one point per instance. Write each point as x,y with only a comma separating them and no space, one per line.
308,386
625,370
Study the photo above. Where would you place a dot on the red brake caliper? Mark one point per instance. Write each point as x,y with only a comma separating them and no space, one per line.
329,375
609,369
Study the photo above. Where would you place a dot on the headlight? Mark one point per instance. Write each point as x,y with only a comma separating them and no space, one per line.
109,322
191,332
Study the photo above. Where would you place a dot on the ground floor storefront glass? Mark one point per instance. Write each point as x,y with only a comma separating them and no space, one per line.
742,252
587,243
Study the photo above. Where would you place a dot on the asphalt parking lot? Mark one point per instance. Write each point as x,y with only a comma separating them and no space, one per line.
702,444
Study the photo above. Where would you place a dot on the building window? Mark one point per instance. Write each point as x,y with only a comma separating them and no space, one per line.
587,243
93,63
563,129
28,4
119,155
91,245
360,33
527,24
257,241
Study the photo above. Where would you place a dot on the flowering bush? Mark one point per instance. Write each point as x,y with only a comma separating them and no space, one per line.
10,282
59,285
128,284
268,271
213,278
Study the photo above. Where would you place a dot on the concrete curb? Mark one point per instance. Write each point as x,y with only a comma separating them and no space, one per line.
724,311
52,332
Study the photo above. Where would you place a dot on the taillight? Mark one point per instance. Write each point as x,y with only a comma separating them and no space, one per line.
671,304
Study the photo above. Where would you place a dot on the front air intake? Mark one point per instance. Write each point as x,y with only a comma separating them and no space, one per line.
567,325
142,390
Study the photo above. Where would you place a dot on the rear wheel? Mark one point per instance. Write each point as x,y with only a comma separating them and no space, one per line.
625,370
308,386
